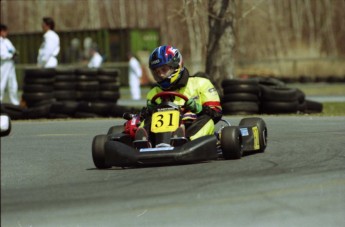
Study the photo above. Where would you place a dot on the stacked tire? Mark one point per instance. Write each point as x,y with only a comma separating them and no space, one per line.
240,97
70,93
38,92
264,96
97,92
279,100
65,94
109,92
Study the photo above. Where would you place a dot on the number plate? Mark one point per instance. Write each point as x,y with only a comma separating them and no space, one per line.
165,121
256,138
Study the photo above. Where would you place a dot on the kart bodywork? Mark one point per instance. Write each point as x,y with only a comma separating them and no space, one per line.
120,147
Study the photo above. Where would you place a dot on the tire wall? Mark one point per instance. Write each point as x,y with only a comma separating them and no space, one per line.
68,93
264,96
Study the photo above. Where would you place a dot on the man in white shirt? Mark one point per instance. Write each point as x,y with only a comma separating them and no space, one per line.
134,73
8,73
50,47
96,59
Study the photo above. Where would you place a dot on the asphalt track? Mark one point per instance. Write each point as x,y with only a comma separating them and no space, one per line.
48,179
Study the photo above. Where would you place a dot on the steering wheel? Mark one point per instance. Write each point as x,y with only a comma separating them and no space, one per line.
167,94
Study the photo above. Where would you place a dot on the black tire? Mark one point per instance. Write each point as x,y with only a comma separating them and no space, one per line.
313,106
300,96
13,111
39,73
98,152
37,96
65,71
284,94
39,103
242,88
85,78
279,107
231,143
100,108
47,81
62,85
115,129
111,72
65,78
111,96
86,115
38,112
240,97
108,78
87,71
64,107
87,95
302,107
262,128
33,88
114,87
251,107
68,95
88,86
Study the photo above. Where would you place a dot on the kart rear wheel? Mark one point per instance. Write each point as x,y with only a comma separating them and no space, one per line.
231,142
115,129
260,123
98,152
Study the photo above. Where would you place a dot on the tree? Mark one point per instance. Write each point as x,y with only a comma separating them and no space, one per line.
211,37
221,40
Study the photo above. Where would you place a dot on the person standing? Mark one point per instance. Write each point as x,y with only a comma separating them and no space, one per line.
8,76
134,76
50,47
96,59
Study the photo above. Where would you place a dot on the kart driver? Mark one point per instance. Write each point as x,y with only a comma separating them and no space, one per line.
203,108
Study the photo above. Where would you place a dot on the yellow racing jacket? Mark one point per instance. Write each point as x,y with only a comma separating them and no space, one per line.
202,91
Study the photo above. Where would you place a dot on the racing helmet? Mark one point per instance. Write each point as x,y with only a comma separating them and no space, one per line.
171,60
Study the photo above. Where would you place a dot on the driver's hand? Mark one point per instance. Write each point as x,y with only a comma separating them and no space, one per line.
193,106
150,105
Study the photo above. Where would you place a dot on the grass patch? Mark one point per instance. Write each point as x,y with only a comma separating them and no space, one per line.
333,109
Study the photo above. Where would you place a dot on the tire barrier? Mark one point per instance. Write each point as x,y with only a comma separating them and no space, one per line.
38,86
240,96
69,93
264,96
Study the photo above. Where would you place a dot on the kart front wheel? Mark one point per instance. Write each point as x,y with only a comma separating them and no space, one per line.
262,129
231,143
98,152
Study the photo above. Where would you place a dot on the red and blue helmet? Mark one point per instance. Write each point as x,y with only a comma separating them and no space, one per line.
169,56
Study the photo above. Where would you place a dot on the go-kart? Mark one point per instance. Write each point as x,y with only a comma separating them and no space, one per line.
120,147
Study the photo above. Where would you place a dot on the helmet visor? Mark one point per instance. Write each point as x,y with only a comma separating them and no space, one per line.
161,73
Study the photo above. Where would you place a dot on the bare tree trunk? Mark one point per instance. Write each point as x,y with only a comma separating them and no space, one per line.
193,12
221,41
296,20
